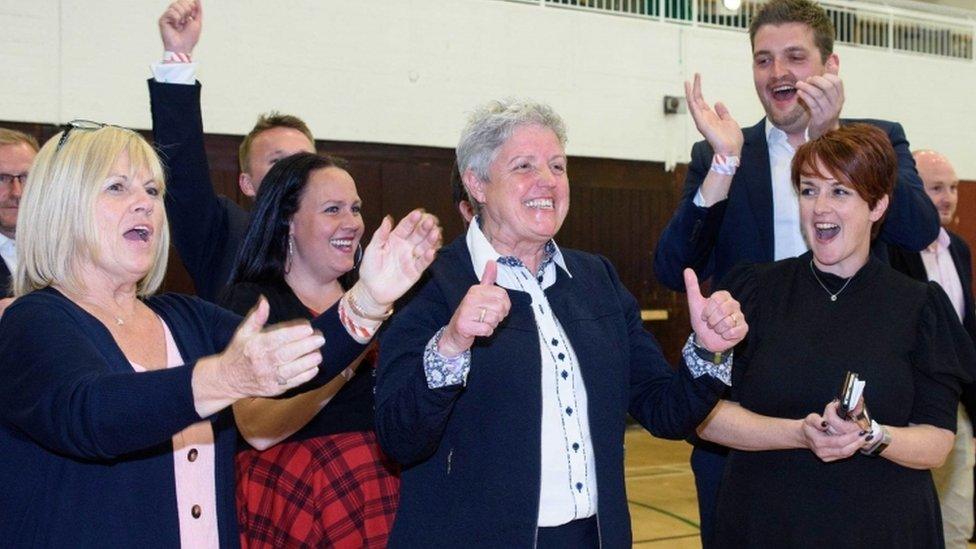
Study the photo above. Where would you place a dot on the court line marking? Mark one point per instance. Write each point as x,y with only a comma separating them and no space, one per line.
665,512
665,538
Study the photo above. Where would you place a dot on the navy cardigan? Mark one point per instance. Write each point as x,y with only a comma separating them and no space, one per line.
87,453
472,453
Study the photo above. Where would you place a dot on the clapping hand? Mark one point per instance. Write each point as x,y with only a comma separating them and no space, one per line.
180,26
396,257
478,315
718,321
824,97
717,126
263,361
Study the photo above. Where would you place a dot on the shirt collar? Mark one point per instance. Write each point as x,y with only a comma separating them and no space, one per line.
482,252
775,135
5,241
941,242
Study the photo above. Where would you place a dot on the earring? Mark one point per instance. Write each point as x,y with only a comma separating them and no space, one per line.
358,258
291,252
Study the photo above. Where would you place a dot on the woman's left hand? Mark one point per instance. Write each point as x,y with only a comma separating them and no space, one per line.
397,256
831,437
718,321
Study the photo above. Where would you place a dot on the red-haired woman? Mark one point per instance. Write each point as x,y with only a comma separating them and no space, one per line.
812,319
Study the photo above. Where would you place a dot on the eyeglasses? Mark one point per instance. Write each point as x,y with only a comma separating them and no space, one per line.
77,125
9,178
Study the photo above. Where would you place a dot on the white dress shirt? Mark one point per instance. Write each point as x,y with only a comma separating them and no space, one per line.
787,236
568,483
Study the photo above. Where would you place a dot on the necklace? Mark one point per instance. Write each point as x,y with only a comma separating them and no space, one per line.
833,296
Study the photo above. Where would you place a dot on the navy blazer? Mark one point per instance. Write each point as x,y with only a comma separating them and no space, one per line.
87,451
740,228
472,453
910,263
6,282
207,230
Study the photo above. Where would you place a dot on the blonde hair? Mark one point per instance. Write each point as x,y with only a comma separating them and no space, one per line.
56,227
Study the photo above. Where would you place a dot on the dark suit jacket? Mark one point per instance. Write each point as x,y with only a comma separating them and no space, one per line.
6,284
207,230
740,228
471,453
911,264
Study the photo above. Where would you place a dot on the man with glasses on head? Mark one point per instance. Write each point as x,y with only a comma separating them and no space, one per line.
17,151
207,230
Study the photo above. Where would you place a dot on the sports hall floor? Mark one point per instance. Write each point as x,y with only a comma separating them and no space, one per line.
661,491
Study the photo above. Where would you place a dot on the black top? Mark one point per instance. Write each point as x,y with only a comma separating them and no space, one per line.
902,336
351,409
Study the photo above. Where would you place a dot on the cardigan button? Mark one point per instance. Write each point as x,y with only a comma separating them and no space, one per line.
191,456
196,511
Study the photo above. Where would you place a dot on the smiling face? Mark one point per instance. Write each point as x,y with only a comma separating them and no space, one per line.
269,147
327,226
941,183
128,221
836,223
526,197
782,55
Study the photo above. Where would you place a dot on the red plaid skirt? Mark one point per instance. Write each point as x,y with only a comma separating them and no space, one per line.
330,491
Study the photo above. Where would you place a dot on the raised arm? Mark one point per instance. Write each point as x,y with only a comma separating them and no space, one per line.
689,237
206,229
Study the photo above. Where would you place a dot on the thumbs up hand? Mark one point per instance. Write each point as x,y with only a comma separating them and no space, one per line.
479,313
718,321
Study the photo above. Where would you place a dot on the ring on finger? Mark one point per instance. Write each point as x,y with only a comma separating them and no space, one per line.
481,316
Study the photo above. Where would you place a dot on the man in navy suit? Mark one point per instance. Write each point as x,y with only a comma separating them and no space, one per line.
17,151
738,202
947,261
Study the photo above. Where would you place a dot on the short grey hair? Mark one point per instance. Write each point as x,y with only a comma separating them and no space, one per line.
490,126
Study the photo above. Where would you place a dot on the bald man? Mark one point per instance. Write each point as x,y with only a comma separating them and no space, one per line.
947,261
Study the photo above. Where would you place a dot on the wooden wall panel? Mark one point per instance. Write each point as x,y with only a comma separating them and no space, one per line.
618,208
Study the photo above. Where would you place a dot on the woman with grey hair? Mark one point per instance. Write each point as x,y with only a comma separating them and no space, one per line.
114,403
504,386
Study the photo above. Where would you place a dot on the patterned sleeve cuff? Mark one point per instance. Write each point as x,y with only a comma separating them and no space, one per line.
442,371
698,365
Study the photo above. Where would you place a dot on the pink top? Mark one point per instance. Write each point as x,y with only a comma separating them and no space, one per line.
940,268
195,472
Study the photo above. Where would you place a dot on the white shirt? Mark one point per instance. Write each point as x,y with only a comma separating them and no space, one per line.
940,268
568,483
8,251
787,237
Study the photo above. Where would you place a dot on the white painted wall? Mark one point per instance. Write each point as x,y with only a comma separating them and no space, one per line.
406,71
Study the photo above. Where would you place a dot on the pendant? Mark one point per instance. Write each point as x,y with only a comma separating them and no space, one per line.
833,298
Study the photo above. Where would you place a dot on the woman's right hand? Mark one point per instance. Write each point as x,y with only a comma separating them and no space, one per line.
479,313
258,362
831,437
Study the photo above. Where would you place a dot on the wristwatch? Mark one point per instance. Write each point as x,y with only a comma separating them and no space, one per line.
881,442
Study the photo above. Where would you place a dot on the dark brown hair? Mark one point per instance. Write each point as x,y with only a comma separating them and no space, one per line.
859,156
780,12
269,121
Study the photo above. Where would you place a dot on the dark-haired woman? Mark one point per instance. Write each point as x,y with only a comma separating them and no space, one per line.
813,318
316,476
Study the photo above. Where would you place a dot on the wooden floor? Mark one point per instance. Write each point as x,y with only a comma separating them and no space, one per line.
661,492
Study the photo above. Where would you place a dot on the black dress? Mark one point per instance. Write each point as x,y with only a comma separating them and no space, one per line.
904,339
